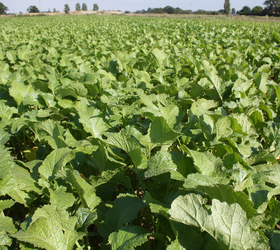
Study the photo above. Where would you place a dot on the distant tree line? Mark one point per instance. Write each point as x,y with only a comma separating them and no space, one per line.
272,9
177,10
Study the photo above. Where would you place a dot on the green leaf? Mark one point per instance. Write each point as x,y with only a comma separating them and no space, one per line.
128,237
274,240
127,140
85,218
85,191
223,127
212,76
187,237
48,234
161,163
226,193
7,225
12,56
155,205
55,134
228,224
160,133
6,112
6,163
160,56
7,184
205,162
57,214
55,161
26,181
61,198
4,204
19,91
23,52
4,138
261,80
125,209
92,122
263,156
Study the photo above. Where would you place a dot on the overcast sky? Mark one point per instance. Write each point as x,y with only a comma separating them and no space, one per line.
15,6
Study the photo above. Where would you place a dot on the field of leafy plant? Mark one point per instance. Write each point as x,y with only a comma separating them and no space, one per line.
139,133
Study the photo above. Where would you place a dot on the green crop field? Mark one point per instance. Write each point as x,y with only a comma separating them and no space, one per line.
138,133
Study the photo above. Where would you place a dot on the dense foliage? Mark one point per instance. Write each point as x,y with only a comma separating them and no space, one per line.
227,7
3,9
33,9
124,133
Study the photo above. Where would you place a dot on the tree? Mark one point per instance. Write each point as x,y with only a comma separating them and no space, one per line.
168,9
3,9
78,7
257,10
95,7
273,5
158,10
178,10
246,9
66,8
33,9
227,7
233,11
54,10
84,7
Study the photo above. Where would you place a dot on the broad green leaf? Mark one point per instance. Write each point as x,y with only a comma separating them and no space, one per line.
85,191
47,234
245,123
223,127
7,184
61,198
261,80
187,237
56,214
128,237
4,204
210,72
155,205
26,181
19,91
263,156
123,140
92,122
6,163
205,162
7,225
226,193
55,161
55,134
124,210
108,176
160,133
176,245
228,224
85,217
274,240
126,140
161,57
12,56
161,163
23,52
6,112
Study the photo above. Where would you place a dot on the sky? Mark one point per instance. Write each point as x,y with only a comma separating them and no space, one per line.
16,6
